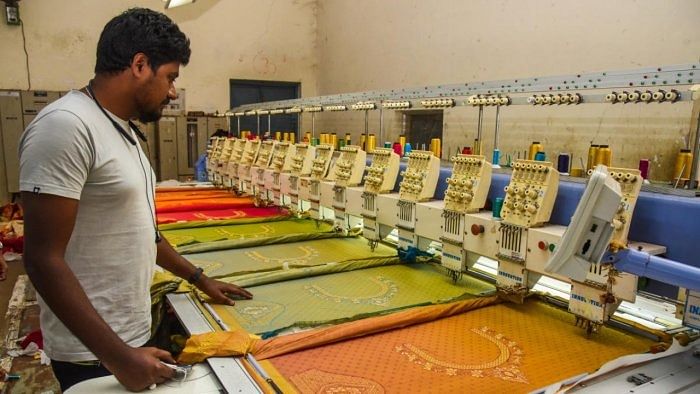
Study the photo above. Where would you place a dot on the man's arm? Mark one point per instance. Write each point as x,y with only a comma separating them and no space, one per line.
49,222
170,260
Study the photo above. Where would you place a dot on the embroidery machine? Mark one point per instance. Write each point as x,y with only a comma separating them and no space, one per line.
529,233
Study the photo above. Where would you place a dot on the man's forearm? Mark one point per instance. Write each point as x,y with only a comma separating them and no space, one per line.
64,295
170,260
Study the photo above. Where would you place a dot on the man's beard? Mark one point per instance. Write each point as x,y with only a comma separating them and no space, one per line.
150,116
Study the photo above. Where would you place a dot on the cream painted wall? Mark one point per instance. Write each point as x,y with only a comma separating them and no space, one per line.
243,39
366,45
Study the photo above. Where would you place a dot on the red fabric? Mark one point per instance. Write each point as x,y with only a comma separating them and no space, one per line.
204,204
34,336
220,214
15,244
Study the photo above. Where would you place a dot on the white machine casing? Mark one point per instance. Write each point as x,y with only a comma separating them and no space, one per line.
257,172
248,158
382,173
349,167
418,185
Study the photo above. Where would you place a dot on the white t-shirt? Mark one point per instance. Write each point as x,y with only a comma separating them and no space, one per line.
72,150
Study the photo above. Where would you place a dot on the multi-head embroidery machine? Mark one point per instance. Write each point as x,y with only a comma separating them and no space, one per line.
511,223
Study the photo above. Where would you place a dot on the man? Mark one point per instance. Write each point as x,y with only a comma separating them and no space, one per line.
87,188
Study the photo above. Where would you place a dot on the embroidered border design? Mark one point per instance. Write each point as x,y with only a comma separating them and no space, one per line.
387,290
317,381
264,230
307,253
233,215
506,366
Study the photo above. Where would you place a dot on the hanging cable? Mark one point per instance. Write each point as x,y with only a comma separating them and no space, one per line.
26,54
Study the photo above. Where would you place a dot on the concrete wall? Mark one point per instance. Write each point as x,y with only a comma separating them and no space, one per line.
366,45
242,39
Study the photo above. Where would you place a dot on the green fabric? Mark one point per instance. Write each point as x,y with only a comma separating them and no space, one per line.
224,263
221,222
345,296
243,235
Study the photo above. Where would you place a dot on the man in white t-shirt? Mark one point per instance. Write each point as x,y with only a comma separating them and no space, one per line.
88,194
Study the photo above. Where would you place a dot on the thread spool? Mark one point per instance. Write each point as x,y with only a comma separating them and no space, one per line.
534,148
348,139
436,147
292,137
402,142
496,157
592,156
315,141
278,135
371,143
334,140
577,172
398,149
467,150
341,143
563,162
363,141
683,163
407,149
307,137
540,156
644,168
604,156
388,144
285,136
497,206
477,146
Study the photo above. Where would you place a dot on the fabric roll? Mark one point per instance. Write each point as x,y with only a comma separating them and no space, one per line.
203,204
270,258
192,195
218,217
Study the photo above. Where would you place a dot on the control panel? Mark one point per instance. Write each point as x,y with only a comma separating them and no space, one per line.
382,173
302,159
469,184
421,176
320,164
530,194
348,169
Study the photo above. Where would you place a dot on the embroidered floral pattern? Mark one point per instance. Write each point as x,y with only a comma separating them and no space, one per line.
506,366
307,253
264,230
387,291
317,381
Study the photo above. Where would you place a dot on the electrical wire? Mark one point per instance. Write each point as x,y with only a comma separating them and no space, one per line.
26,54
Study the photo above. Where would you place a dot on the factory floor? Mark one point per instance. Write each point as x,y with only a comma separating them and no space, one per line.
34,377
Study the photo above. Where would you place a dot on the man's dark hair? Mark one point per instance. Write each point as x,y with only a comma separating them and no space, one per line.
140,30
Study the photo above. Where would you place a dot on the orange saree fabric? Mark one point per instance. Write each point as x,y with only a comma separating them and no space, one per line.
192,195
502,348
203,204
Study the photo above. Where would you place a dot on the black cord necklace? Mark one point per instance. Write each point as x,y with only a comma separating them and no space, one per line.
116,125
142,136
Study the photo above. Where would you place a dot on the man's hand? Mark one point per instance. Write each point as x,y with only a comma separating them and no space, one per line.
139,368
218,290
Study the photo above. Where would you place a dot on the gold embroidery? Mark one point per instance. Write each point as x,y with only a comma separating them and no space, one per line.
307,253
505,366
257,313
317,381
232,215
264,230
387,291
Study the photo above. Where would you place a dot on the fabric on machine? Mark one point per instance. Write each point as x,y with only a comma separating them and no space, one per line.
192,195
344,296
285,256
220,217
203,204
203,239
492,349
